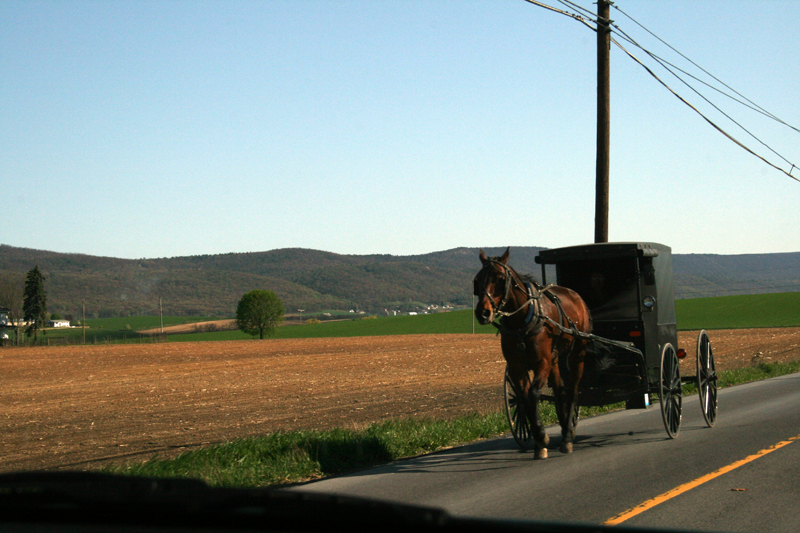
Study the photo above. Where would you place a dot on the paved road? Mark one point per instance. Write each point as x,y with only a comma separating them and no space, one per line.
622,460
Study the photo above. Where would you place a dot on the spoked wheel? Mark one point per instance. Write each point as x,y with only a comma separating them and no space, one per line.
706,378
517,421
670,391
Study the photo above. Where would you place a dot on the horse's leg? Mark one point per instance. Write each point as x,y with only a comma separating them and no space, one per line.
560,391
531,355
541,373
538,351
568,399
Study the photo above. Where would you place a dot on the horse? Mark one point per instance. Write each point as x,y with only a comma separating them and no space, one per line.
542,329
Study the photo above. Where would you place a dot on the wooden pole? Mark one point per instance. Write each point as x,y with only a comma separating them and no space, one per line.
603,121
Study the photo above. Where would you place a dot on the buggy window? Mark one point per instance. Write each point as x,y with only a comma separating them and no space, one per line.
609,287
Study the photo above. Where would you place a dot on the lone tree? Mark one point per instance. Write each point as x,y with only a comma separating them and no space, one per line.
259,312
34,303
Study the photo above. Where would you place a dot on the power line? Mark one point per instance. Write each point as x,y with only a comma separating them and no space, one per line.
561,12
619,31
711,122
750,103
633,42
761,110
747,103
576,7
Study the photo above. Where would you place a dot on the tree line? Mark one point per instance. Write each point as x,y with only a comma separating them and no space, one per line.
24,305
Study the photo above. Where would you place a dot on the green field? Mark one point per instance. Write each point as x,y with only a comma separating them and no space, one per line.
144,322
734,312
122,329
727,312
440,323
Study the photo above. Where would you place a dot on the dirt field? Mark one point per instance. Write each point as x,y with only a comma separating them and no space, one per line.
79,406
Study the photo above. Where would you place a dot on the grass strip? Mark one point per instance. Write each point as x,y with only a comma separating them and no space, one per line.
294,456
755,373
288,457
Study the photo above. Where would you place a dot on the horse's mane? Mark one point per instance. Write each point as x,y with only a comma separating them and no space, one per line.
526,278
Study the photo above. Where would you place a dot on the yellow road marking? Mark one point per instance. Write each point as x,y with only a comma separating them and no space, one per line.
649,504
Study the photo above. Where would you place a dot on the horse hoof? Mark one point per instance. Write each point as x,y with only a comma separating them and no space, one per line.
541,453
566,447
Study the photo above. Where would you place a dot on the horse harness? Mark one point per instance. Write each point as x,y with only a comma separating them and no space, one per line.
535,318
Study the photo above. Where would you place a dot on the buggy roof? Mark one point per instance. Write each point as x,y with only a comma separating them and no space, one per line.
606,250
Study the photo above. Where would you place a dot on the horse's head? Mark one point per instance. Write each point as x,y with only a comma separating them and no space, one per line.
491,285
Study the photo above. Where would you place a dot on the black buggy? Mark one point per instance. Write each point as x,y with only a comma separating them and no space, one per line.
632,354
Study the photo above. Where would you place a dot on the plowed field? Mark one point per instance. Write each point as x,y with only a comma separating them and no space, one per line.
79,406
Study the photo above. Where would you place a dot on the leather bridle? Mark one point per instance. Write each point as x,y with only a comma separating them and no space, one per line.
511,282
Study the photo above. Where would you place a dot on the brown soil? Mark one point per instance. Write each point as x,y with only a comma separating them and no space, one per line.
80,406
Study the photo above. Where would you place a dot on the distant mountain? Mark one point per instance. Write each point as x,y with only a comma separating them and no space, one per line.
703,275
313,280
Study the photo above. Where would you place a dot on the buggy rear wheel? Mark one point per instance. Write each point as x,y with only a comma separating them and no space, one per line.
706,378
670,394
517,420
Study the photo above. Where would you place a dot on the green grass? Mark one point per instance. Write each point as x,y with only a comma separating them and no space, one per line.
439,323
757,372
116,329
143,322
726,312
286,457
735,312
125,328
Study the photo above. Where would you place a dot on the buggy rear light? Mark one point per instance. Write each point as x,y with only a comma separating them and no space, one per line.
635,334
681,353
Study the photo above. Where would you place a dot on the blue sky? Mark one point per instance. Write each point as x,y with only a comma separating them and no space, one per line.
171,128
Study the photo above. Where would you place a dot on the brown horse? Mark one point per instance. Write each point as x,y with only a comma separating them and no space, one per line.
540,331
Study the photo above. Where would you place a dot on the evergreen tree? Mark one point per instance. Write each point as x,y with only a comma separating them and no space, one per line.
34,305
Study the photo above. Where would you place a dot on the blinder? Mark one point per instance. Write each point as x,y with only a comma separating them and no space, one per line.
509,282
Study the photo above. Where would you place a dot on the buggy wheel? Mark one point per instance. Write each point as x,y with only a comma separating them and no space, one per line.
706,378
517,421
670,395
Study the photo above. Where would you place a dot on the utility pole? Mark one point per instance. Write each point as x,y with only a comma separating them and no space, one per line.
603,120
473,314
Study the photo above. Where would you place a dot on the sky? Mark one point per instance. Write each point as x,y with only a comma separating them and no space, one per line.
175,128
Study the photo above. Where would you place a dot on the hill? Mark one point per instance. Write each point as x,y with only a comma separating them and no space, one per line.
211,285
